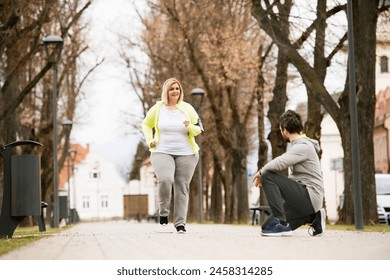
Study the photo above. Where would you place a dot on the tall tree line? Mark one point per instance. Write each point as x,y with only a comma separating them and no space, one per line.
269,15
213,45
26,111
239,51
217,46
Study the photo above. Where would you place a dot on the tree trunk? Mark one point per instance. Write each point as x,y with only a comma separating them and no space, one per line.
240,175
278,104
228,189
365,19
10,124
365,16
45,136
277,107
263,147
216,211
314,115
193,205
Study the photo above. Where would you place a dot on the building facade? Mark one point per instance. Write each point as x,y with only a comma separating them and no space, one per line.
381,131
331,142
96,189
140,196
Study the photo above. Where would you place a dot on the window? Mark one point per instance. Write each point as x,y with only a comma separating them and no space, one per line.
104,201
94,175
384,64
85,202
384,149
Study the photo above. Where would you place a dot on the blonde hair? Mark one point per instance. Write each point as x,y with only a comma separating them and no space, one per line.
166,86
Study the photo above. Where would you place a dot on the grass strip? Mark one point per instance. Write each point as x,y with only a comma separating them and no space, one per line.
24,236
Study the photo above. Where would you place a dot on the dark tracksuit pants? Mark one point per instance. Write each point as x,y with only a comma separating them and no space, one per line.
289,200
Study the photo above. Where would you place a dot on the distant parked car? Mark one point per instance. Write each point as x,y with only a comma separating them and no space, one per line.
382,182
382,216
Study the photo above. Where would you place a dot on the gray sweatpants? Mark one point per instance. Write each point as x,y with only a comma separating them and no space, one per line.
289,200
174,171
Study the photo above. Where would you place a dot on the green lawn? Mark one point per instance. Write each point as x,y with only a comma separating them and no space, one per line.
376,228
25,235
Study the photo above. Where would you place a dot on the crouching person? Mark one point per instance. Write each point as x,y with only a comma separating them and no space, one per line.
295,200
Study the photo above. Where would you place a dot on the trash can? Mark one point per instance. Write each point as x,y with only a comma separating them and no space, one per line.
63,207
25,185
22,187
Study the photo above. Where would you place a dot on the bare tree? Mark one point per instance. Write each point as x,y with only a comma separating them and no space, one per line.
26,99
365,17
215,53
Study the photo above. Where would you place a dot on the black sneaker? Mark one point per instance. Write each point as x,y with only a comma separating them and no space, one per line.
318,227
181,229
163,220
275,228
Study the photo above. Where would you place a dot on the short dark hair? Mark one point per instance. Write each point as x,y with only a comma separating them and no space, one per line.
291,121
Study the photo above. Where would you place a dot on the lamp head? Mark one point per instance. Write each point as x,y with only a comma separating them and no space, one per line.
197,96
53,47
67,123
72,153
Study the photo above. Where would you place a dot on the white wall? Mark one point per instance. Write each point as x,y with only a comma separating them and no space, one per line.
382,79
333,180
101,197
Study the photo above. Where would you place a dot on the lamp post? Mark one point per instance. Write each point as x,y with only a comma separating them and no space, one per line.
71,156
139,165
126,198
356,180
67,124
53,47
197,96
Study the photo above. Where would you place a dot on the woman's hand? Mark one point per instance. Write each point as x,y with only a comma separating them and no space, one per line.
186,123
257,179
153,144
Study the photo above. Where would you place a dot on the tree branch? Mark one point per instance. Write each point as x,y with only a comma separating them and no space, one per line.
88,73
65,30
298,43
15,103
337,48
307,72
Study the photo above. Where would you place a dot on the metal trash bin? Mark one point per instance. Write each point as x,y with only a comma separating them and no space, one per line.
63,207
25,185
22,187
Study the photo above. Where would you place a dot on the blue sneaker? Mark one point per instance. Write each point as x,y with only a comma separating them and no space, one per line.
275,228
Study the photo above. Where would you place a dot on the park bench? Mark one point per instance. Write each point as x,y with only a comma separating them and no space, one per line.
265,209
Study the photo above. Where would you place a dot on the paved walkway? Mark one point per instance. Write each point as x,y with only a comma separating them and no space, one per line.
149,241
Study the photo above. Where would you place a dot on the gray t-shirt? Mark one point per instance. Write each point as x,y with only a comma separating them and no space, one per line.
304,166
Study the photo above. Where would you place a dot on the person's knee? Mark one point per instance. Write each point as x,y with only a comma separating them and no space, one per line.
166,180
266,175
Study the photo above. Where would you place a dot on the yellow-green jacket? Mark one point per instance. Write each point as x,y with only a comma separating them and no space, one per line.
151,122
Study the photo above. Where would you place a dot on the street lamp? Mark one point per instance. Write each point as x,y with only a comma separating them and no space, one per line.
53,47
67,124
71,156
197,96
356,180
139,165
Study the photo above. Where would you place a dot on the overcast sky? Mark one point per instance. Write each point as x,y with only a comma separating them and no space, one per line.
100,117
